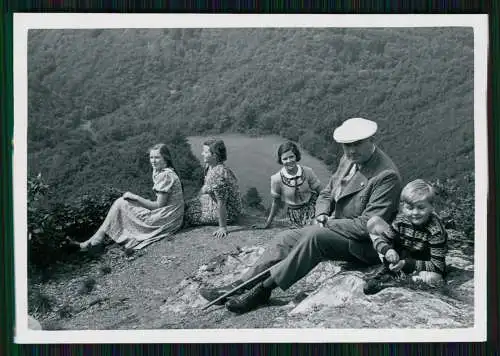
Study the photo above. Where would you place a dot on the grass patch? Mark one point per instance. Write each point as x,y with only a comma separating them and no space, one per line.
41,302
65,312
105,269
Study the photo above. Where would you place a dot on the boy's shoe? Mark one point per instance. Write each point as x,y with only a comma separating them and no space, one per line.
385,278
214,293
378,272
258,295
373,286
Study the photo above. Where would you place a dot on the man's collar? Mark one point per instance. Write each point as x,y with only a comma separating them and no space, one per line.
360,165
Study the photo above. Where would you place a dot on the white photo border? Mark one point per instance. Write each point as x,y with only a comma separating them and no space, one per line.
25,21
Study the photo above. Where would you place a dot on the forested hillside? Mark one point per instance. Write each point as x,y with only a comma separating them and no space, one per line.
99,98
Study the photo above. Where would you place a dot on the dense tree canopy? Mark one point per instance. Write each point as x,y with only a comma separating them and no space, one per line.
99,98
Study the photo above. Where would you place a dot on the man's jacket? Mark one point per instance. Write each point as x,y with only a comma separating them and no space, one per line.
373,191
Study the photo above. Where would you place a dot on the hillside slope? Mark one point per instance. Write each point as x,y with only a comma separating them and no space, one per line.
96,92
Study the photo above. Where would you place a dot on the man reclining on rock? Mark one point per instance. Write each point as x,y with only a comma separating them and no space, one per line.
365,184
415,242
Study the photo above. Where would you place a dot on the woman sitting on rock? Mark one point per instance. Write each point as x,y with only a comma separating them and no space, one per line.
219,200
135,221
294,185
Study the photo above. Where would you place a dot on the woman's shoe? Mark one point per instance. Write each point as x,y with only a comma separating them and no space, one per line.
75,244
83,246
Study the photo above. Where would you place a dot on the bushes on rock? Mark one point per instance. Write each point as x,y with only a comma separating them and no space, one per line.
253,198
48,226
456,203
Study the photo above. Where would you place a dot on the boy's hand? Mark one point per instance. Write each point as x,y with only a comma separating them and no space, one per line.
397,267
392,256
321,220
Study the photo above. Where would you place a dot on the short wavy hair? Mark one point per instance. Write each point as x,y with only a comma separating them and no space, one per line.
218,148
418,190
288,146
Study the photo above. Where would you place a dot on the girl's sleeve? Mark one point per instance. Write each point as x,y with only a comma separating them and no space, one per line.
275,186
313,180
164,181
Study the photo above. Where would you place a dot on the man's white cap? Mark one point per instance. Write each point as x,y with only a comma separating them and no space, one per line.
353,130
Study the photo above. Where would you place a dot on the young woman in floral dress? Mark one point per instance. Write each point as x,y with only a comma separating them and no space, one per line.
219,200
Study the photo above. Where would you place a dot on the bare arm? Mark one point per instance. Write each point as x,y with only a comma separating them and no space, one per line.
161,200
222,210
275,207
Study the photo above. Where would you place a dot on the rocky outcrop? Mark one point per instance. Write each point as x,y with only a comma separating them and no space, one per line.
331,296
158,288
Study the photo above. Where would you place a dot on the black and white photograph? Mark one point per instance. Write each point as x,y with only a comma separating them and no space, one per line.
250,178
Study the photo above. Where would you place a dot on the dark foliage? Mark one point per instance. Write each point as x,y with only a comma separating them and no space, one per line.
456,203
40,302
66,311
97,103
105,269
252,198
87,286
99,99
49,227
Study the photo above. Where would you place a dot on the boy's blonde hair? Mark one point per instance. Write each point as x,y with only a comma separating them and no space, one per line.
418,190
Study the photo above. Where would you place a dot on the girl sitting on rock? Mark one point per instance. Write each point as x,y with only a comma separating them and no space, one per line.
295,185
219,200
135,221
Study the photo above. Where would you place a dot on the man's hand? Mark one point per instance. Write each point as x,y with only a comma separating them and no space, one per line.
398,266
221,232
392,256
321,220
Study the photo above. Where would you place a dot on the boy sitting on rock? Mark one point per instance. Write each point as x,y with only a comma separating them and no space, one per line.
415,243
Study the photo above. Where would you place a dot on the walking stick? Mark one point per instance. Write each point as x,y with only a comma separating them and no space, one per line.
255,279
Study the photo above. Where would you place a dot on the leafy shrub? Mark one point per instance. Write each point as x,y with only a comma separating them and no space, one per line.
66,311
40,302
456,203
253,198
87,286
105,269
49,226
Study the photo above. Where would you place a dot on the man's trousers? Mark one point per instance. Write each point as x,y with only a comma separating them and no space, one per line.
298,251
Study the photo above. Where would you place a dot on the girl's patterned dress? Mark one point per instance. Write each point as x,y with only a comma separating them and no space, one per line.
135,227
220,183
